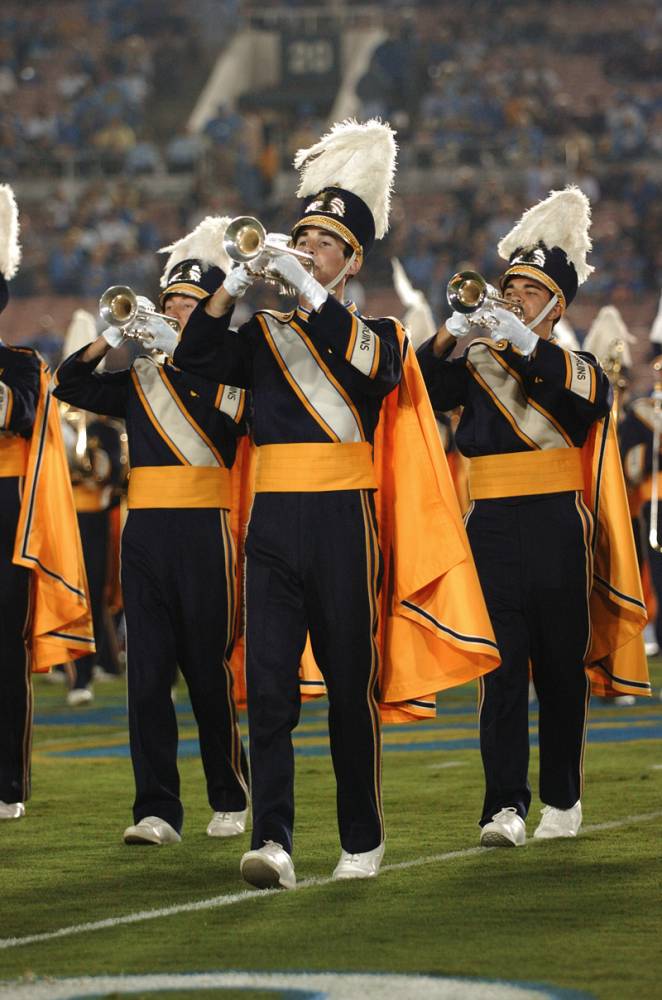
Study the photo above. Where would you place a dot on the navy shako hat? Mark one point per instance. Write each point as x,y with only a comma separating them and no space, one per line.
550,243
346,182
198,263
343,213
191,277
549,266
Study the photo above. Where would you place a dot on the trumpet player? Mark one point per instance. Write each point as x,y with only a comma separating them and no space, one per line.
44,608
319,375
178,567
533,423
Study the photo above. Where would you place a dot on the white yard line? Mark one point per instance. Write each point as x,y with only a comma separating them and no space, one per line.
216,902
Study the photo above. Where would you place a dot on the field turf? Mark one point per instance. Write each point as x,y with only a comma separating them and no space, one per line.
578,915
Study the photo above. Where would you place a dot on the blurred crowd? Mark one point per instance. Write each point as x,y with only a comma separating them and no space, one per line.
494,105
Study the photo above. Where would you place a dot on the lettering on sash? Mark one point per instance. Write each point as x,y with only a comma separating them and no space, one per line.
231,402
365,346
581,376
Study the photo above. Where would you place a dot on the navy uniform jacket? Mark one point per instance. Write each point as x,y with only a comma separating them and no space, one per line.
19,389
316,377
514,403
144,396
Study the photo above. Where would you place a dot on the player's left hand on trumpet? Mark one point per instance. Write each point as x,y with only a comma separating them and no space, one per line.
509,327
289,268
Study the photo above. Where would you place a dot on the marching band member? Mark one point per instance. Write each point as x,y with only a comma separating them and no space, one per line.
94,454
322,376
178,571
44,610
542,465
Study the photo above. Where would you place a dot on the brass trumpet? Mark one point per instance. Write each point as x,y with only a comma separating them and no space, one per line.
653,540
119,306
467,291
246,238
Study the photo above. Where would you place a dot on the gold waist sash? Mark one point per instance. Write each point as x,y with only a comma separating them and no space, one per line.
314,468
13,456
175,486
553,470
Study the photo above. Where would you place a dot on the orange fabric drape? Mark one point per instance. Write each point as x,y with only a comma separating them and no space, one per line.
616,662
48,543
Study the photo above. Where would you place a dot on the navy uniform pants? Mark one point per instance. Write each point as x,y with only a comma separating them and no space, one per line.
94,537
178,580
534,563
314,566
15,666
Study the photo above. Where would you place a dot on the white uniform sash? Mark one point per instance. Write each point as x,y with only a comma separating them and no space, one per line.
528,419
167,413
312,384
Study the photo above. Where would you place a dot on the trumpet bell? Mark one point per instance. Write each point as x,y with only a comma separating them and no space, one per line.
466,291
244,238
118,305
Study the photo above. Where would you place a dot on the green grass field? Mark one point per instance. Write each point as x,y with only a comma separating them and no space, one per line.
582,915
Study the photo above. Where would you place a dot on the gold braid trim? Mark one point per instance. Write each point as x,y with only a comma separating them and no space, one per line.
525,271
323,222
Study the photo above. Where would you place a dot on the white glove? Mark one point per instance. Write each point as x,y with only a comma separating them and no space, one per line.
458,325
113,336
160,336
289,268
144,303
238,281
509,327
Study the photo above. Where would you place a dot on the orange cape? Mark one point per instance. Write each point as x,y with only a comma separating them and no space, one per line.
616,663
48,543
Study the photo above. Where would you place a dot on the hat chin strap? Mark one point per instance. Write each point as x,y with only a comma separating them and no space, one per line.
543,312
341,274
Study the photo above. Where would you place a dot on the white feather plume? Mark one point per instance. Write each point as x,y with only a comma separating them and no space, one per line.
656,329
10,250
81,330
204,243
357,157
418,319
561,220
565,336
606,331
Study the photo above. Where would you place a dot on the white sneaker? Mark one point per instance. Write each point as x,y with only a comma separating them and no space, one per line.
559,822
79,696
151,830
227,824
268,867
11,810
365,865
507,829
624,700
